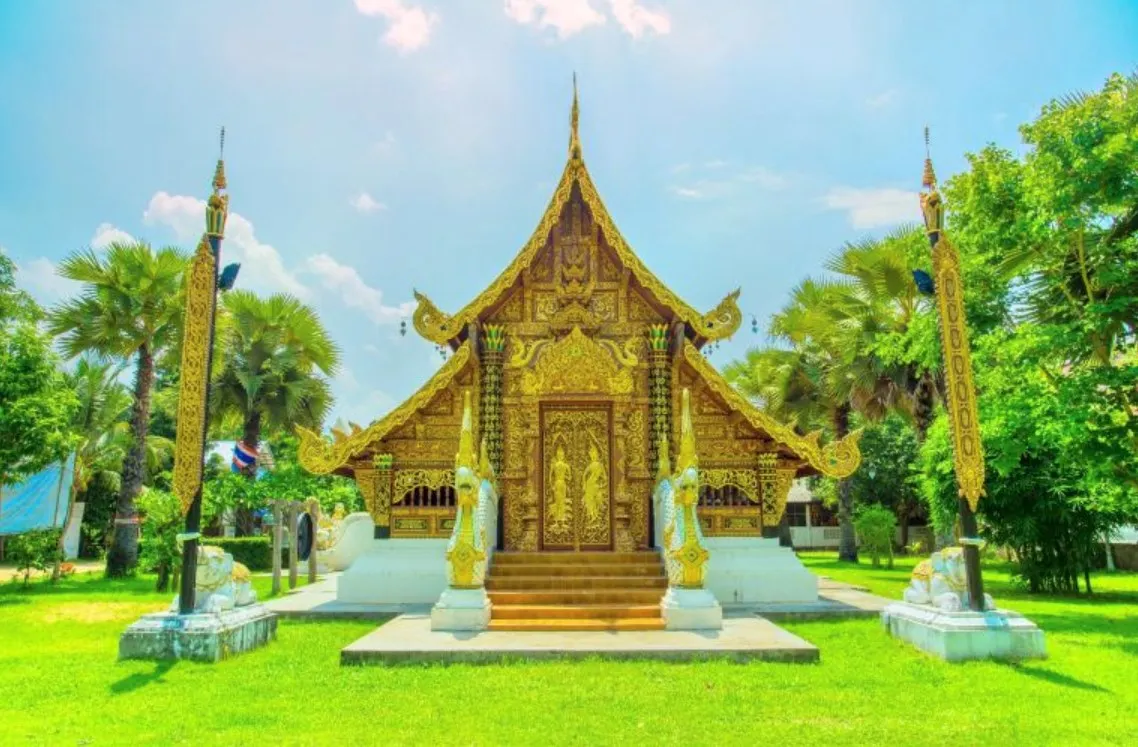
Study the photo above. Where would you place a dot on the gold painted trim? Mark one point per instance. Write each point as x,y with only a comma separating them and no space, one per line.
321,456
838,459
440,328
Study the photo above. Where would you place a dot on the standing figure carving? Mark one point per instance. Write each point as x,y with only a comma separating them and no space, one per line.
594,483
559,475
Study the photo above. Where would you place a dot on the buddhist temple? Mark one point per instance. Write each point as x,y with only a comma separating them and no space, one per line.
575,357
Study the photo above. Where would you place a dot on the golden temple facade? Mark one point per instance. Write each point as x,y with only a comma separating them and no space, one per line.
576,355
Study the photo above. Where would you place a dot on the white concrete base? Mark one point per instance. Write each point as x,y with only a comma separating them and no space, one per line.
747,570
965,635
461,610
199,637
396,571
691,609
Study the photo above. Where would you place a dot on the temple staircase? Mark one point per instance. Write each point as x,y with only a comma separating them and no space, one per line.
555,591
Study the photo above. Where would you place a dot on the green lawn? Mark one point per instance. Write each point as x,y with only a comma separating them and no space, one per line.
60,684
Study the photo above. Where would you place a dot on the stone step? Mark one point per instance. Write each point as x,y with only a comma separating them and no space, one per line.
535,583
574,612
574,558
578,570
576,597
534,626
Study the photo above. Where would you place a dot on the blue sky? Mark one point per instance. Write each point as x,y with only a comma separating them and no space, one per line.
375,146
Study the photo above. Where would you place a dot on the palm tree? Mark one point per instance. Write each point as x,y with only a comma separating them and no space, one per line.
130,308
272,352
101,425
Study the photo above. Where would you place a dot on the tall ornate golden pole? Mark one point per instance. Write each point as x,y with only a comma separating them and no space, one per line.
193,389
968,454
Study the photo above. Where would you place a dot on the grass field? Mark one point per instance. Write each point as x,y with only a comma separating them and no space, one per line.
60,684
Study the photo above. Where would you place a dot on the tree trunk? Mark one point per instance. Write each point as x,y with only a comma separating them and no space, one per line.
123,555
925,401
251,437
847,547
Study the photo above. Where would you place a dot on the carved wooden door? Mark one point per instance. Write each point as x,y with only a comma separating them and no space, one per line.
576,456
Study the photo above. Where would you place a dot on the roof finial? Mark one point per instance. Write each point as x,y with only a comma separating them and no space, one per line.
928,179
574,139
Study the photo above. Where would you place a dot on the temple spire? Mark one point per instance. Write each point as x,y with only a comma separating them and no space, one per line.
928,179
574,138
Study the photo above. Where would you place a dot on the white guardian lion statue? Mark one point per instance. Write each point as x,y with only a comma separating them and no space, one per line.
942,582
221,583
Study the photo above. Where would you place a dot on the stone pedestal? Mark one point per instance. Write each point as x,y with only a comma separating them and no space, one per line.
691,609
199,637
751,570
396,571
965,635
461,610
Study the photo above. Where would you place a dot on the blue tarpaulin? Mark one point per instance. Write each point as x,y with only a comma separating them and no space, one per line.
40,502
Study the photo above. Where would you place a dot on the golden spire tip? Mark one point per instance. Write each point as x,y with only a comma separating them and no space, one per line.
928,178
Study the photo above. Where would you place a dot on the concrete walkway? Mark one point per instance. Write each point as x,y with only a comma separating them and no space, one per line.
409,638
835,601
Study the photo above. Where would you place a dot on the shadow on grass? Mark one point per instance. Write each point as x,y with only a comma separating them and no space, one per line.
86,584
1057,678
7,599
138,680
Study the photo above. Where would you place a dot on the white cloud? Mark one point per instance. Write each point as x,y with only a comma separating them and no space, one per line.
365,203
637,19
262,267
410,27
874,207
725,183
883,99
566,17
40,278
354,403
106,234
385,145
344,281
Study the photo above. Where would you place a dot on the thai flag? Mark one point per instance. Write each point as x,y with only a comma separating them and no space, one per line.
243,457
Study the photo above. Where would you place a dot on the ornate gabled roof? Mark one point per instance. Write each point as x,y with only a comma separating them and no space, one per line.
838,459
321,456
442,328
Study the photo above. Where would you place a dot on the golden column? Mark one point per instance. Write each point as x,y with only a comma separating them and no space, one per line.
967,450
197,362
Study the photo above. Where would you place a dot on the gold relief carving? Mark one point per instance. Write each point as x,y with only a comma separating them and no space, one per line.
636,455
578,364
968,455
430,479
603,307
201,298
321,457
744,479
545,307
368,482
440,328
512,310
639,310
837,459
576,510
443,404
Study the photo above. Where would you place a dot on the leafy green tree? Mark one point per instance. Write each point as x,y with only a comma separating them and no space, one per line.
889,474
162,519
129,309
35,402
274,355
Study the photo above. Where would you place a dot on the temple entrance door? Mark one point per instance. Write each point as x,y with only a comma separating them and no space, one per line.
576,459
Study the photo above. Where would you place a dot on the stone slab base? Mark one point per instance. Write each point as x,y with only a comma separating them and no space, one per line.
966,635
395,571
409,639
198,637
690,609
461,610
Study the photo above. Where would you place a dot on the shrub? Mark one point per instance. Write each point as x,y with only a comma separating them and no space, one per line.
875,525
34,551
255,552
158,550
